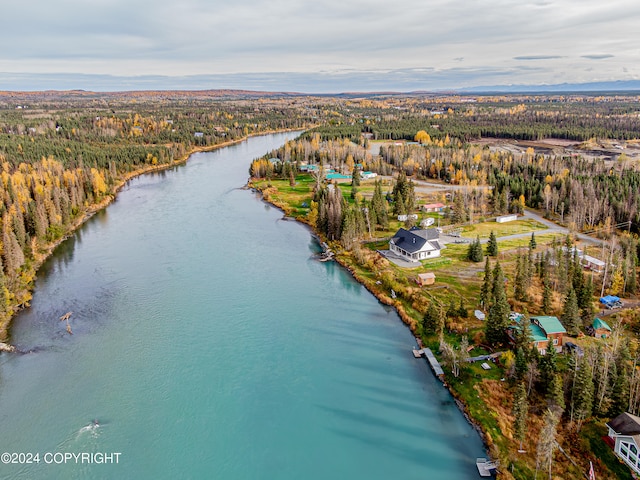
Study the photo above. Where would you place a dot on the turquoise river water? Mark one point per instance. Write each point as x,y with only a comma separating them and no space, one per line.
209,344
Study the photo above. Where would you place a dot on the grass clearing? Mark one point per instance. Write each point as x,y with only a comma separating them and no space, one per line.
483,230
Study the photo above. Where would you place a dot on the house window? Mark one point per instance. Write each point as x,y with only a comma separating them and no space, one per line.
633,449
555,341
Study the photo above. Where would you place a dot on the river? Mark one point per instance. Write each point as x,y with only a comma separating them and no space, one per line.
208,343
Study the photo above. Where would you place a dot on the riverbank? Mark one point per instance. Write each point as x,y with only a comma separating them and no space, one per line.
45,251
345,259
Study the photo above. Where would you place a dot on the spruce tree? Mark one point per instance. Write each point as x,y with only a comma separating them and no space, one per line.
462,310
555,396
379,206
620,392
487,285
431,319
546,297
492,245
520,282
532,243
498,317
520,412
548,365
570,314
452,310
585,302
582,393
522,364
355,177
475,251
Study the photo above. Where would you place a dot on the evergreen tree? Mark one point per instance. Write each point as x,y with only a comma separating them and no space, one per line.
585,302
571,315
498,317
520,282
355,177
475,251
555,396
532,243
548,368
459,213
520,412
487,285
379,206
498,280
522,364
431,319
620,391
523,334
492,245
546,297
452,310
403,195
462,310
582,393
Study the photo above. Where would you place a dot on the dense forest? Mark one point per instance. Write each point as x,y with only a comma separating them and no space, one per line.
63,156
589,188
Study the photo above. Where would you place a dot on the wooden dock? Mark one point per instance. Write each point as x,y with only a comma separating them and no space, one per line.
486,468
435,366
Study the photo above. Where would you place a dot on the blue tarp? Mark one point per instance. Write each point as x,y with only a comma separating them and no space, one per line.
609,299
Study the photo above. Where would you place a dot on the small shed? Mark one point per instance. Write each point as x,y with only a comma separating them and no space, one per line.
600,328
506,218
593,264
428,278
479,314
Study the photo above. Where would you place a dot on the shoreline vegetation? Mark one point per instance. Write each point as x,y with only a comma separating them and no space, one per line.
572,159
45,251
355,192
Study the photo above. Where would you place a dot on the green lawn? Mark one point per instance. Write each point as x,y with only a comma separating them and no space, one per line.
483,230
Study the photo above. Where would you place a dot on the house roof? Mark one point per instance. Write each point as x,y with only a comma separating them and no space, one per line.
427,234
434,205
625,424
415,239
593,260
550,324
599,323
537,334
426,276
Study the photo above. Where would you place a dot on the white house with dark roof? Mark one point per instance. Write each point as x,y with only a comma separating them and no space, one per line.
416,244
624,434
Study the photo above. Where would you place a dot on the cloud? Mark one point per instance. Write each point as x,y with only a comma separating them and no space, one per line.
148,38
538,57
597,57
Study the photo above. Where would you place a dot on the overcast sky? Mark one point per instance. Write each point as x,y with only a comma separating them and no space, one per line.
315,46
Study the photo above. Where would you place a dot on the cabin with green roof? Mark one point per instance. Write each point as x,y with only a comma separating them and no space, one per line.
552,329
600,328
545,331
